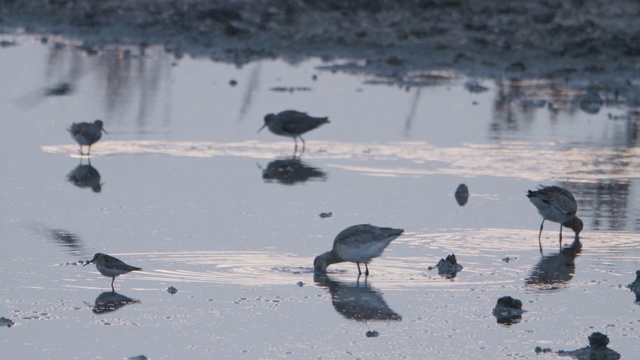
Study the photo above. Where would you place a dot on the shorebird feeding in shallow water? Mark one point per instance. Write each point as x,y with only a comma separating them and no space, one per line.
110,266
558,205
85,133
358,244
293,124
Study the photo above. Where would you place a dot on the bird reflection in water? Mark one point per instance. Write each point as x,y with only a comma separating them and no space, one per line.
109,301
71,242
85,176
553,271
291,171
357,301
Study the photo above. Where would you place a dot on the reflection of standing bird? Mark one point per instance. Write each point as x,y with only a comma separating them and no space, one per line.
87,133
358,244
291,171
110,301
293,124
555,271
558,205
357,302
84,176
110,266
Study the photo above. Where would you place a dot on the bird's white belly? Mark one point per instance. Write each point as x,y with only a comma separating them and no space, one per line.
362,254
551,213
110,272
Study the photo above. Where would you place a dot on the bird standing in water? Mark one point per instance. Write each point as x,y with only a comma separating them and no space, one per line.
293,124
358,244
85,133
110,266
558,205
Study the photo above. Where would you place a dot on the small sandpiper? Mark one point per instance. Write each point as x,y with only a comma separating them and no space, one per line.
558,205
358,244
110,266
293,124
85,133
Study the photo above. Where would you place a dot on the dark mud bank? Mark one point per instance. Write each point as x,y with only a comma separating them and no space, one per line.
593,46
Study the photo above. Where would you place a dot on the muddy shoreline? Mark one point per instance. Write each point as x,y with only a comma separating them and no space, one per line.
590,46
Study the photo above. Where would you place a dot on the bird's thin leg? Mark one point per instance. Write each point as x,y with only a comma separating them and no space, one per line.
112,280
560,236
295,149
89,151
366,272
303,143
359,271
540,234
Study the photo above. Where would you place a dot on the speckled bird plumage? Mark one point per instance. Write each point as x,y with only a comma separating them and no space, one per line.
558,205
110,266
86,134
358,244
292,123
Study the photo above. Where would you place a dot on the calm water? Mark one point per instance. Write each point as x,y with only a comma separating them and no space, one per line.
193,195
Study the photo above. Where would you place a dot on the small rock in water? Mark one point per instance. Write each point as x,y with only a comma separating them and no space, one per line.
539,350
518,66
300,283
139,357
462,194
591,102
635,286
372,333
597,349
6,322
508,310
448,267
598,340
233,83
475,87
171,290
508,259
325,215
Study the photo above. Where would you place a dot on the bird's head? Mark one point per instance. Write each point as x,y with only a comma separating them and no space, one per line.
320,264
100,124
96,257
576,225
267,119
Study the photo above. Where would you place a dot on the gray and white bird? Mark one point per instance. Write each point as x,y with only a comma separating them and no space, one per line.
558,205
110,266
358,244
293,124
85,133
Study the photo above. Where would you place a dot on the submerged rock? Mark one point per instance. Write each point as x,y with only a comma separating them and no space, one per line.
448,267
591,102
171,290
508,310
462,194
635,286
372,333
597,349
325,215
139,357
6,322
474,87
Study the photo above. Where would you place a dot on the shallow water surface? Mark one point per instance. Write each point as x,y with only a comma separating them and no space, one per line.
184,187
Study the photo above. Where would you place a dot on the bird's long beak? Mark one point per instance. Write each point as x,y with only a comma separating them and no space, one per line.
262,127
104,131
87,263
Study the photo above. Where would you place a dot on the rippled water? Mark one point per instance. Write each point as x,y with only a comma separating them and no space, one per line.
184,187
